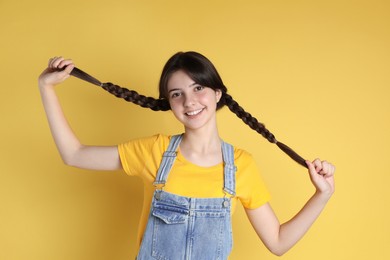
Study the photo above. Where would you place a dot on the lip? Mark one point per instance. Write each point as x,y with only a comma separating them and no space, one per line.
194,112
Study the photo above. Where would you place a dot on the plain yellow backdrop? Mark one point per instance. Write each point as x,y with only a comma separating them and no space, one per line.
315,72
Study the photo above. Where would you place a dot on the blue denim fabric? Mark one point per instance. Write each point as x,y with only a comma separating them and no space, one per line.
184,228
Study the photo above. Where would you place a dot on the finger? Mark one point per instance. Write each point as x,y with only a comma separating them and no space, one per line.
68,69
64,63
51,62
331,170
318,165
56,62
325,168
311,168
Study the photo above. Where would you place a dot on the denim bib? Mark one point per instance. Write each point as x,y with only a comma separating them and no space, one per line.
185,228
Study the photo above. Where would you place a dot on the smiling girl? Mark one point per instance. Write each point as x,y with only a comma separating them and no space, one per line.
192,181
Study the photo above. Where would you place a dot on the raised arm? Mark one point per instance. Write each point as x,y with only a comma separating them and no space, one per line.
72,152
280,238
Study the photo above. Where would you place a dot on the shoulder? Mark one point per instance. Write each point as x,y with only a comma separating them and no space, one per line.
245,162
144,151
157,141
241,156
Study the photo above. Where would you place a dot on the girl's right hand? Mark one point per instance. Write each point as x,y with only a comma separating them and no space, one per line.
57,71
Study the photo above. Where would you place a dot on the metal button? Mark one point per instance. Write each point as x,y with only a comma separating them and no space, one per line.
225,204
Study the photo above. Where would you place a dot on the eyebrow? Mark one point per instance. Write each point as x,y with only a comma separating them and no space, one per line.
193,84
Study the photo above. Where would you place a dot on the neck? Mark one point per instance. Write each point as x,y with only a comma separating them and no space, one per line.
201,141
202,149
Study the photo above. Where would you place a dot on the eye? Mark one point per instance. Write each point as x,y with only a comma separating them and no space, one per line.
199,88
175,94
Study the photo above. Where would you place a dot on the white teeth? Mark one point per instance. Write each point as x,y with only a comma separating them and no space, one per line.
192,113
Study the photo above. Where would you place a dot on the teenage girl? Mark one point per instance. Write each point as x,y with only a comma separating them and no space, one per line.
192,181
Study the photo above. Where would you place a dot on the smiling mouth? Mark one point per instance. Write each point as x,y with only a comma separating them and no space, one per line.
194,113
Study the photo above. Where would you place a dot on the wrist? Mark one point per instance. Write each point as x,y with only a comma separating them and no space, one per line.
323,196
43,87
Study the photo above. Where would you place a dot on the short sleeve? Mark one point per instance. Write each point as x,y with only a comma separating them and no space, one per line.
135,154
251,189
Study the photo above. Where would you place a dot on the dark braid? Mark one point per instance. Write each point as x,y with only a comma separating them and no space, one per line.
253,123
134,97
248,118
128,95
162,104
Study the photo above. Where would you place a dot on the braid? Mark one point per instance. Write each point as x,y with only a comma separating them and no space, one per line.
134,97
128,95
248,119
253,123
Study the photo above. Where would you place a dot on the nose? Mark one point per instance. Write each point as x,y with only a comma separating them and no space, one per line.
189,100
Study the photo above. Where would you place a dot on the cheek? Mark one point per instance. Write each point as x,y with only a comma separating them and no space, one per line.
204,96
176,111
174,103
209,98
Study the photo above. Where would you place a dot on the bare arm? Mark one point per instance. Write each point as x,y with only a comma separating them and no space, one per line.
280,238
71,150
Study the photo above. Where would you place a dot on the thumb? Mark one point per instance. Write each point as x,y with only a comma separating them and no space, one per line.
312,169
68,69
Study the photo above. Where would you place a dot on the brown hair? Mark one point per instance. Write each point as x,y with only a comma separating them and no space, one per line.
201,71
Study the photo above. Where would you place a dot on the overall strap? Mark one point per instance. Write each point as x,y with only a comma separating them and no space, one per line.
168,159
229,184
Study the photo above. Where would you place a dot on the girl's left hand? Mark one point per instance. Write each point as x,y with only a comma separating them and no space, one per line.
322,176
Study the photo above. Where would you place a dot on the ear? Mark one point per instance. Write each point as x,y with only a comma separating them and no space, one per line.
218,94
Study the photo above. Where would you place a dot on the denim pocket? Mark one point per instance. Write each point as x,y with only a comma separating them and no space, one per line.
170,214
169,230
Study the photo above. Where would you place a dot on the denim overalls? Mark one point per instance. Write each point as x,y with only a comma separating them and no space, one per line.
184,228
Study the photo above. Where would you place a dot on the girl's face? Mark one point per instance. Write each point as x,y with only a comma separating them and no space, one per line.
192,104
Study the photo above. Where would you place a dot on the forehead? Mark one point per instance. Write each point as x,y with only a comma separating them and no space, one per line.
179,79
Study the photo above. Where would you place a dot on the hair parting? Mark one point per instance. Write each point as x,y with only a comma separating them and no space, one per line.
162,103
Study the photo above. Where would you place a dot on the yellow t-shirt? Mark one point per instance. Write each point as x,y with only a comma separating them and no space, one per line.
142,157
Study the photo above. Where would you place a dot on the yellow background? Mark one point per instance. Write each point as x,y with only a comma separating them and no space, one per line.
316,72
